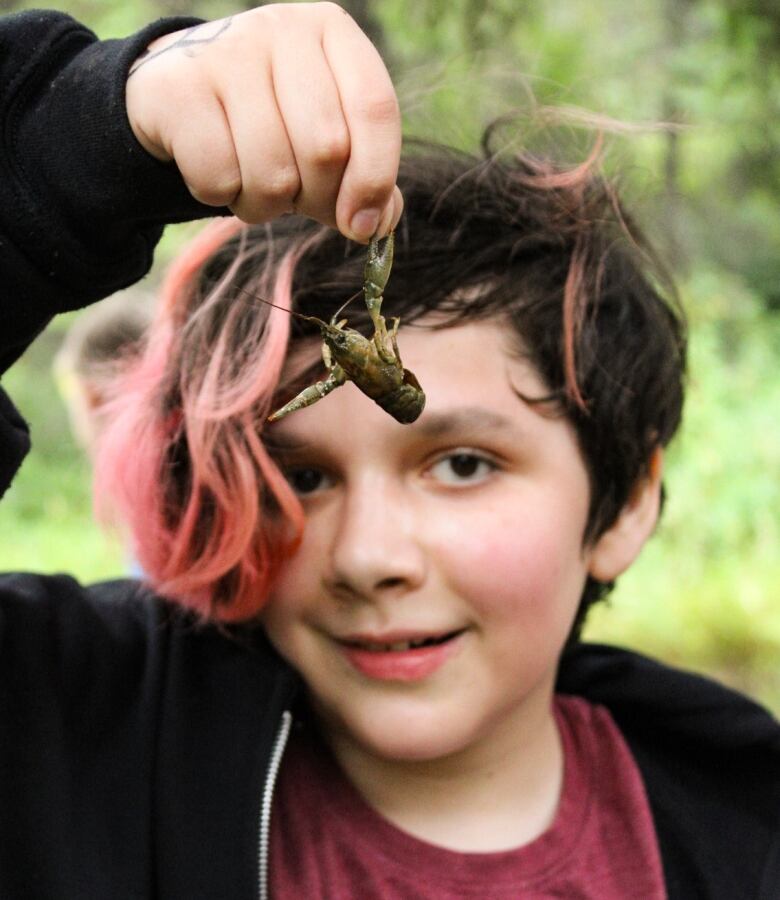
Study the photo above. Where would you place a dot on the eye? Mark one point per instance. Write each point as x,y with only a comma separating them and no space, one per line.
461,468
307,480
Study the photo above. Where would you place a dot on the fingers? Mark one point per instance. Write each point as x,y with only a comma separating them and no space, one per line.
205,154
340,116
269,174
309,103
175,115
286,106
366,200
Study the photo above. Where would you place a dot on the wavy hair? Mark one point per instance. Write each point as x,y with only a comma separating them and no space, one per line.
547,248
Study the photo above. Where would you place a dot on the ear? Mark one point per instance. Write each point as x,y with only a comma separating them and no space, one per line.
615,550
94,397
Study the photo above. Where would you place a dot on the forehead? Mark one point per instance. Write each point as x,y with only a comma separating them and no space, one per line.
494,334
472,375
473,355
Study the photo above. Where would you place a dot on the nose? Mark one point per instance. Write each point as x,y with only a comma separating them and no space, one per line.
376,548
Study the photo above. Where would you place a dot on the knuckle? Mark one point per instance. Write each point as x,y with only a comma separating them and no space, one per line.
228,188
381,108
219,191
263,200
372,188
283,187
248,214
329,147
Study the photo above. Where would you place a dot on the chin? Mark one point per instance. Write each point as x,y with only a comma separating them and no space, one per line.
405,748
405,738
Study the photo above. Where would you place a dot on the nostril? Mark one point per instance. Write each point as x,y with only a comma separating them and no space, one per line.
390,583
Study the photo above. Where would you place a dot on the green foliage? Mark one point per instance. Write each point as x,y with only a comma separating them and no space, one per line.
46,513
704,593
115,18
708,69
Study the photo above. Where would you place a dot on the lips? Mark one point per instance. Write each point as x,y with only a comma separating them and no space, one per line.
400,657
392,646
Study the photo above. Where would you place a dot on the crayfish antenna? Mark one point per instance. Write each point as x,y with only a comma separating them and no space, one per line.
290,312
335,317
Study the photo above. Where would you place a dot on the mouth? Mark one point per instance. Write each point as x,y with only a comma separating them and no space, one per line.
400,645
397,657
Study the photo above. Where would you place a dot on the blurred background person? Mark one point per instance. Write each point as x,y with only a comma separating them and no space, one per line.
101,341
103,338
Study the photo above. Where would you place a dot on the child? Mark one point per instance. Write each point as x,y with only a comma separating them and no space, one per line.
103,338
408,595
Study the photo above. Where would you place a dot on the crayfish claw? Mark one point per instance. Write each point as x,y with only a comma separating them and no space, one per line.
311,394
379,262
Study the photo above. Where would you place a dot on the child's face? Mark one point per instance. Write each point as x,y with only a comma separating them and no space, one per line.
465,527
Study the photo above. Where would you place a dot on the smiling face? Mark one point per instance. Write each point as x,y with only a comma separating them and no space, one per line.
442,562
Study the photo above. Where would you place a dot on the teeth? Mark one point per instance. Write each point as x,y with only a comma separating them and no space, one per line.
399,646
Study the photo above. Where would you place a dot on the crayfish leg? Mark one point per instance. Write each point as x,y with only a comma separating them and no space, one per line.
380,341
394,339
311,394
375,276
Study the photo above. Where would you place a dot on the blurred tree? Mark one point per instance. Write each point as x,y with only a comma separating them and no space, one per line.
676,13
362,11
709,67
184,7
712,67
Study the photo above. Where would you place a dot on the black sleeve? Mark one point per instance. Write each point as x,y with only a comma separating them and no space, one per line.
82,205
132,738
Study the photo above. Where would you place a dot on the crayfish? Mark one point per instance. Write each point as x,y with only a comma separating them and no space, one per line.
373,365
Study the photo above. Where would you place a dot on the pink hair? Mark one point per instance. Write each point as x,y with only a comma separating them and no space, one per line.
573,184
182,462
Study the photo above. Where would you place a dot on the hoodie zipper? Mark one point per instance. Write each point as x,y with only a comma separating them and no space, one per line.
277,752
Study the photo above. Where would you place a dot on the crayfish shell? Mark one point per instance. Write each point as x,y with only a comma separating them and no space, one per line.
406,402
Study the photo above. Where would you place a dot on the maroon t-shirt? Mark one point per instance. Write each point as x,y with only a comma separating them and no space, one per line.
327,842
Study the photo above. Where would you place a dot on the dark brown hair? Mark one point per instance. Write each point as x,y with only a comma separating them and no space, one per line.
548,248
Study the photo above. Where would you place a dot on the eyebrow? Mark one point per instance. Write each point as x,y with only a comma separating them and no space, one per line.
281,443
464,419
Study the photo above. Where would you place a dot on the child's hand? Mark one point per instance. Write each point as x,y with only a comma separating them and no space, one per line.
284,107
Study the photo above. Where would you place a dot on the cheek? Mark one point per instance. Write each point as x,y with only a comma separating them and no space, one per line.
289,582
287,604
304,568
525,570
